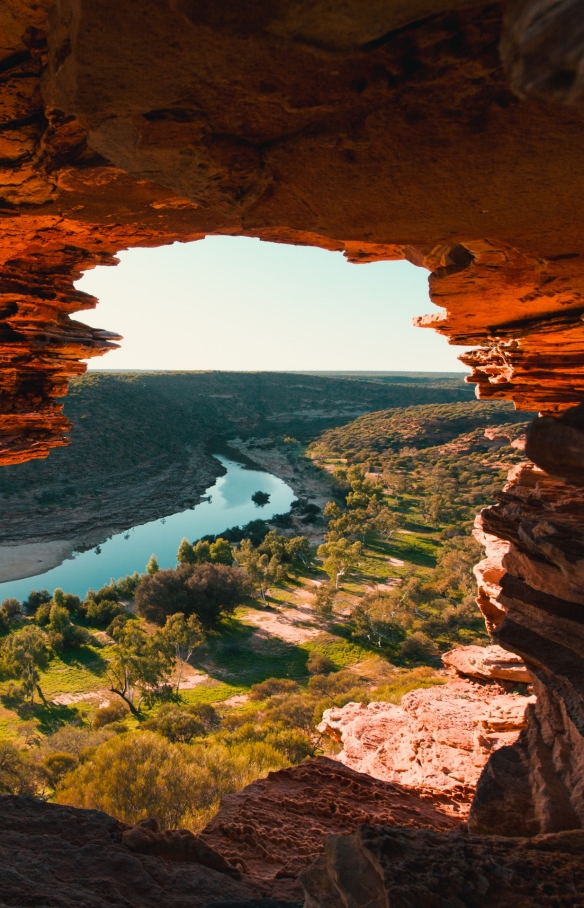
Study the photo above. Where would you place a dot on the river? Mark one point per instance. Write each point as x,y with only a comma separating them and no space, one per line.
126,552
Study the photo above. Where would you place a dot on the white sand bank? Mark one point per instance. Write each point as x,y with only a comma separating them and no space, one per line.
31,558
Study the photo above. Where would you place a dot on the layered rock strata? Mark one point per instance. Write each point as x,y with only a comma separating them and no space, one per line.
533,602
439,739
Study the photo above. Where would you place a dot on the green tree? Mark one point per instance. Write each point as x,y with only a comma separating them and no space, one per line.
140,664
152,566
387,523
186,553
23,655
339,558
201,553
61,631
182,634
221,552
324,600
261,569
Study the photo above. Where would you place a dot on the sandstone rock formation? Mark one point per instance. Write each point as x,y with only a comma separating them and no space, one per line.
63,857
277,826
383,130
439,739
492,663
378,867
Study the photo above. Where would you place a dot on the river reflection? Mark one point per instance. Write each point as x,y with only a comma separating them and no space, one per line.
126,552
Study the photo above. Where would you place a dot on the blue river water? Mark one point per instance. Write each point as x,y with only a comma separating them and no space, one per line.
124,553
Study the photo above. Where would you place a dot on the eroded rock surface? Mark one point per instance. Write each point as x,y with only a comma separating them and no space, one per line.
439,739
277,826
492,663
64,857
377,867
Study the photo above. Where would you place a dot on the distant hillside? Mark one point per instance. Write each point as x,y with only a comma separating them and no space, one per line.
140,443
443,461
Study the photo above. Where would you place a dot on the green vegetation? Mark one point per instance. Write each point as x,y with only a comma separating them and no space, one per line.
161,692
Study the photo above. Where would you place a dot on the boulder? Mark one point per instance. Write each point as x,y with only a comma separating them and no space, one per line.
490,662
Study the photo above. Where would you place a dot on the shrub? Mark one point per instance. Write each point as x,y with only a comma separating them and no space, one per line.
35,599
66,600
319,665
127,586
204,590
113,712
117,624
11,608
177,724
18,774
220,552
43,613
418,647
271,687
57,765
102,611
139,775
62,633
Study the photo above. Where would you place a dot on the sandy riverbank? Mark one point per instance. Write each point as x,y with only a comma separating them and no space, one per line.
32,558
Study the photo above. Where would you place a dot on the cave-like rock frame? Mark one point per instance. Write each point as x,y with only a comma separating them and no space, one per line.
446,132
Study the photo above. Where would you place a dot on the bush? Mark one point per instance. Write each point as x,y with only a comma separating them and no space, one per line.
66,600
319,665
102,611
418,647
117,624
271,687
175,723
141,775
204,590
43,613
127,586
18,774
11,608
62,633
58,765
35,599
113,712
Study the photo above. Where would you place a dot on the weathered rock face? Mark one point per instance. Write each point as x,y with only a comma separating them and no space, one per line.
277,826
63,856
439,739
397,867
535,610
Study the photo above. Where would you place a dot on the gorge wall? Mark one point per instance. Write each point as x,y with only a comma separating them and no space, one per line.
446,132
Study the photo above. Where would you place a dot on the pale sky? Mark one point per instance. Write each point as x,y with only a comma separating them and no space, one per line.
241,304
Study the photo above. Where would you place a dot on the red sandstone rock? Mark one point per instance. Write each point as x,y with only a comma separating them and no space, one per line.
489,662
438,739
277,826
